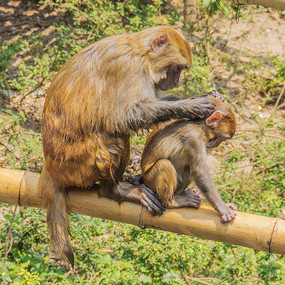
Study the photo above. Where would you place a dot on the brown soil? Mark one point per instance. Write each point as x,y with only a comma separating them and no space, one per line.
261,34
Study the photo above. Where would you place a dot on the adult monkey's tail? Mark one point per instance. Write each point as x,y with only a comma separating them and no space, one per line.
57,217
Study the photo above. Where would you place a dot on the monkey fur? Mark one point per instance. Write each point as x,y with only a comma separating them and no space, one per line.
176,153
96,99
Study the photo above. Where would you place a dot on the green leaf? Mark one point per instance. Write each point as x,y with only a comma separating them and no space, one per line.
205,3
7,217
145,279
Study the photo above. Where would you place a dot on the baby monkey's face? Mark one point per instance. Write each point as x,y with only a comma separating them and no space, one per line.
222,123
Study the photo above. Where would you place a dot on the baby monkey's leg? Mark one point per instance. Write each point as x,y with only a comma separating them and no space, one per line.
162,178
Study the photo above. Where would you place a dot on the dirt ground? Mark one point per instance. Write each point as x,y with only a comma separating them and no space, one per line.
260,35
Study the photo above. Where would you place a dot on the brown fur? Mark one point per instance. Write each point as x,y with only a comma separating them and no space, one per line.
100,95
176,153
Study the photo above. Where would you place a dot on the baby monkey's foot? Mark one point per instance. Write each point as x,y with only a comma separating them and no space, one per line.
197,191
189,198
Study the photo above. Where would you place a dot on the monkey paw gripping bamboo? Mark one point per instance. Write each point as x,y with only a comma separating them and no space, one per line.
254,231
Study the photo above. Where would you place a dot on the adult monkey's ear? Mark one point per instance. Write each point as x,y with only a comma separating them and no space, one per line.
159,42
214,119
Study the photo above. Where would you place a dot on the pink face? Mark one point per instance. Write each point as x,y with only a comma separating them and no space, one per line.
222,125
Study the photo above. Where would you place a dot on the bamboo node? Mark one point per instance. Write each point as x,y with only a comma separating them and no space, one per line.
140,224
271,236
20,187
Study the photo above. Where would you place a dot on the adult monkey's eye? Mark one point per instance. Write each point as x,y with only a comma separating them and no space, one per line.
181,67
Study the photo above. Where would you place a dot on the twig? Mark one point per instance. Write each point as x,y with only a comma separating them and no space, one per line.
276,137
269,167
172,6
9,240
91,32
31,133
281,106
206,42
115,228
248,277
7,148
261,85
279,97
244,32
255,163
18,134
40,84
98,282
95,275
208,52
200,279
229,33
240,134
243,166
254,130
184,277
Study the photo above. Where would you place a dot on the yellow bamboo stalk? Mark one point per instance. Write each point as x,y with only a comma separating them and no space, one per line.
277,4
254,231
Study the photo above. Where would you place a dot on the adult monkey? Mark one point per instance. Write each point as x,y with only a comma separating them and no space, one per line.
96,99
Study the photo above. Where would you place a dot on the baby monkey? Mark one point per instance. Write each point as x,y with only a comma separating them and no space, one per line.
176,154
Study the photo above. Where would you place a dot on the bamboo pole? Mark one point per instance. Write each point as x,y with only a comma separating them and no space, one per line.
254,231
277,4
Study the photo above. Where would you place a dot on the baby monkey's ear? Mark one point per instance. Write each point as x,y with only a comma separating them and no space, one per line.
214,120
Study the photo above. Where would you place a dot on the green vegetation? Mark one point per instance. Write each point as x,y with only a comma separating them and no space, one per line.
252,172
23,150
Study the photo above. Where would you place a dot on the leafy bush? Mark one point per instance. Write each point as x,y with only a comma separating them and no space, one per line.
23,150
